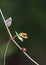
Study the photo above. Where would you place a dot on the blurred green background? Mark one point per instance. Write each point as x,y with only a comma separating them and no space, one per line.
28,16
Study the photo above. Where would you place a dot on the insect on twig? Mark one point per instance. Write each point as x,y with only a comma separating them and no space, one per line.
20,36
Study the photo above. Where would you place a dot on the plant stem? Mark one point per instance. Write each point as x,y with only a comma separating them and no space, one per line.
15,41
6,50
30,58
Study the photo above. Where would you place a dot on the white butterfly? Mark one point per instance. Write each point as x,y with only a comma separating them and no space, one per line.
9,21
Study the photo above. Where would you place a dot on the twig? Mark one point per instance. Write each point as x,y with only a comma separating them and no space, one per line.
6,50
15,41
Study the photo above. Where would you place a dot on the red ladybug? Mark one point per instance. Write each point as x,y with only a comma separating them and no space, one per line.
24,50
24,34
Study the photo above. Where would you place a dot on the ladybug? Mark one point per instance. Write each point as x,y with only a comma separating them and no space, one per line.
24,34
24,50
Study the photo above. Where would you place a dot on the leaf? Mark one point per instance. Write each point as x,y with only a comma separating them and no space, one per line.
20,38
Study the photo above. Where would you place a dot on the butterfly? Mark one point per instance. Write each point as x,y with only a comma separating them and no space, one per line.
9,21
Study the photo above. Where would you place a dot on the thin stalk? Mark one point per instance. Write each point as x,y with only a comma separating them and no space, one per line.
15,41
6,51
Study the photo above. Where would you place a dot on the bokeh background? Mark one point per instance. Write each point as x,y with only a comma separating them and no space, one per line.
28,16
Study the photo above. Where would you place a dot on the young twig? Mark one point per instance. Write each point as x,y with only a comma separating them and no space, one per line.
15,41
6,50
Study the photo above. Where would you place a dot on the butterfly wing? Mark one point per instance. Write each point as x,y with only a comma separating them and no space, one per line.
9,21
